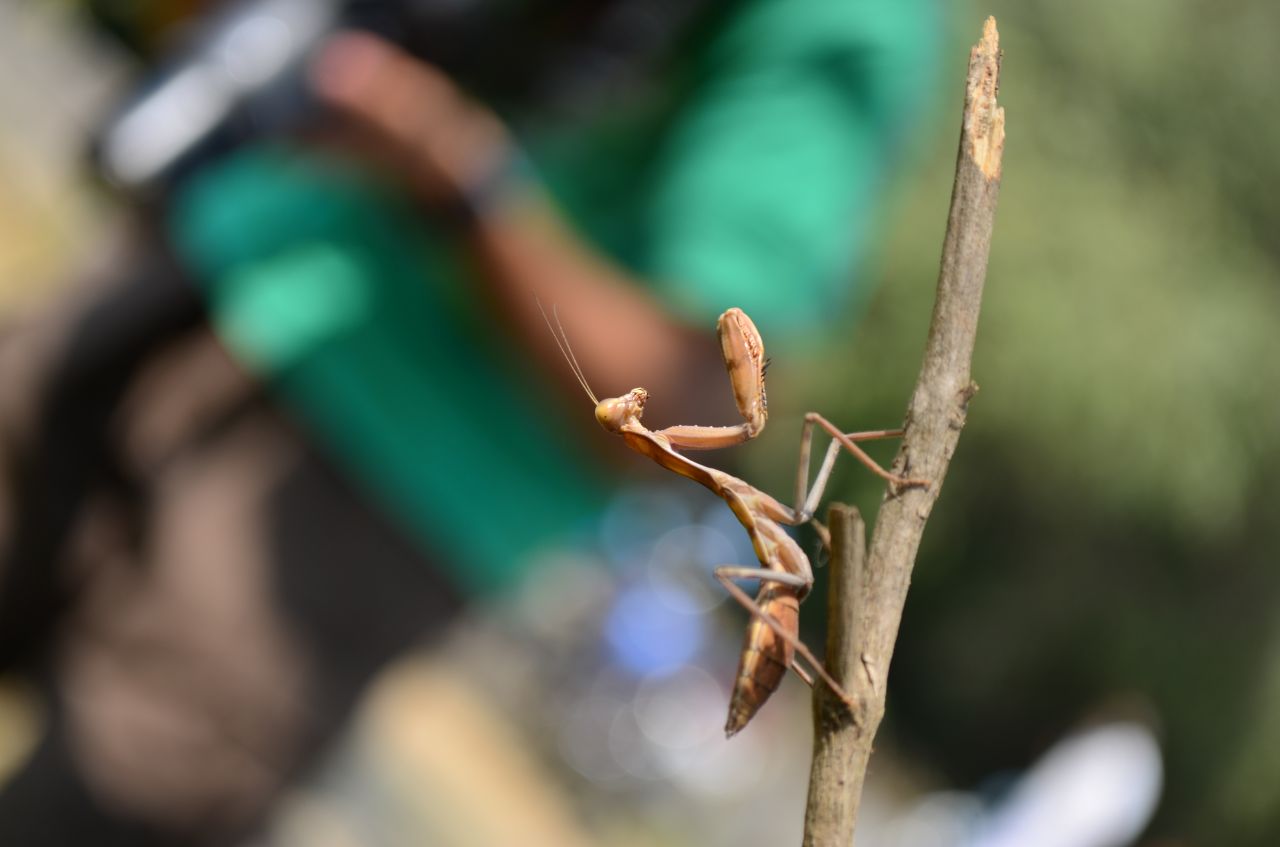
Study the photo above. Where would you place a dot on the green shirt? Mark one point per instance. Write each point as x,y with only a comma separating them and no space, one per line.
745,175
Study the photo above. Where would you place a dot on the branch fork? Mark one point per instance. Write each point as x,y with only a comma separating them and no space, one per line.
869,584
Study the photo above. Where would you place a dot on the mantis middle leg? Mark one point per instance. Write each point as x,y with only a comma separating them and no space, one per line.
807,498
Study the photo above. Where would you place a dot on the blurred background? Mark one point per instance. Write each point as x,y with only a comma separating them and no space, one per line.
1090,653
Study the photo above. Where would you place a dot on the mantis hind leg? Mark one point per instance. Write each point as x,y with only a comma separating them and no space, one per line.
726,574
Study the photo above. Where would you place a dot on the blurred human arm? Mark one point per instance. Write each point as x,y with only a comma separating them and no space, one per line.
457,154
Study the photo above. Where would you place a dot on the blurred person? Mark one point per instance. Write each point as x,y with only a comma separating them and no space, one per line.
314,417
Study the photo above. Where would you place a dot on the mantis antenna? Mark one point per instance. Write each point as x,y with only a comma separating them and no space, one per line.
565,349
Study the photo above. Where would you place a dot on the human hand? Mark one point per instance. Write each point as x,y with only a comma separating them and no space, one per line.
415,119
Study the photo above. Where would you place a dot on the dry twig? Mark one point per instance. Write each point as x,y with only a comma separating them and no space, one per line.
869,588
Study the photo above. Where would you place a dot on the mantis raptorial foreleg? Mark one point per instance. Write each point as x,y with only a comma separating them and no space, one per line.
726,574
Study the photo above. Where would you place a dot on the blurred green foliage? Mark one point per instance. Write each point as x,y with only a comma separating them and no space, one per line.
1105,540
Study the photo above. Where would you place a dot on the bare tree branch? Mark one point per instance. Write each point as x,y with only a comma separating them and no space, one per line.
867,601
842,742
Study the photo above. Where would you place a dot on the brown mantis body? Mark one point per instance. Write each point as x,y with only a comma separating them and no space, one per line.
785,576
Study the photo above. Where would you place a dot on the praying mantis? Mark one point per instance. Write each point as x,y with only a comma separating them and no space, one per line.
785,576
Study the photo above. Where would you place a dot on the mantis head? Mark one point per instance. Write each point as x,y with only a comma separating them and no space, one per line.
613,412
